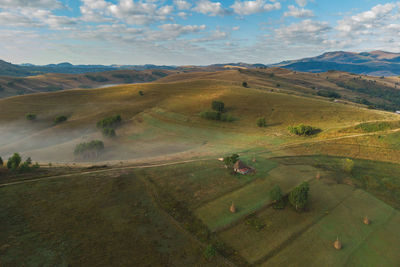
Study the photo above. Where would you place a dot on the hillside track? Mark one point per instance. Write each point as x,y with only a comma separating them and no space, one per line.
162,164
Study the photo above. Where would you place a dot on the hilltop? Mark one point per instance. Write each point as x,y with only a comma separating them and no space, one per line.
377,63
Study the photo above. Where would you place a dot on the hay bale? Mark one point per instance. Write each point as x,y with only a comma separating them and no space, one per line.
232,209
337,244
366,221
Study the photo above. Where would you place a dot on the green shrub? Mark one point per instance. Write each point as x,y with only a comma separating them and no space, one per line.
244,84
141,93
110,122
60,119
255,222
108,132
210,252
348,165
211,115
30,117
218,106
303,130
261,122
299,196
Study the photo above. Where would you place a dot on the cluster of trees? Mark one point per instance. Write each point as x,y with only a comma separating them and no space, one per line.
15,164
261,122
217,112
298,197
108,125
329,94
90,149
303,130
60,119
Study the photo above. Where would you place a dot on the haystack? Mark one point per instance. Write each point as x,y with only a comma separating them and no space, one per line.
366,220
232,208
337,244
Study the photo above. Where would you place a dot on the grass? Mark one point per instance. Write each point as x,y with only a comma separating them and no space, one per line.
378,178
166,113
45,224
315,246
283,225
252,197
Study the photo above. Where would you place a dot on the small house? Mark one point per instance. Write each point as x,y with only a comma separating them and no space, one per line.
241,168
397,111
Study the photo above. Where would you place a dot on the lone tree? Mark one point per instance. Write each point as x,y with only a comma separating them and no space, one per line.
14,161
348,165
261,122
299,196
244,84
1,162
218,106
276,194
231,160
30,117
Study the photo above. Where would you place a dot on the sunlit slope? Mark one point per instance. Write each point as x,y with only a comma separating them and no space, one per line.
165,120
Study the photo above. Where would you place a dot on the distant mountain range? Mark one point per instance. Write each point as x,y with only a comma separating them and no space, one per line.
8,69
376,63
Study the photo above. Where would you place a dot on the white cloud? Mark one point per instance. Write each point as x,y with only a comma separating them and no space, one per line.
369,21
252,7
182,4
298,12
307,31
210,8
301,3
48,4
235,28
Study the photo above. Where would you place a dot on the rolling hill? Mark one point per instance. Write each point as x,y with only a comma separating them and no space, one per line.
376,63
158,195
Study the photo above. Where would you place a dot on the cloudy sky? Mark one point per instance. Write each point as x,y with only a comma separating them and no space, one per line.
179,32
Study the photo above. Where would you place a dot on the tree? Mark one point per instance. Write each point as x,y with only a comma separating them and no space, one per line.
231,160
108,132
276,194
209,252
218,106
60,119
244,84
299,196
14,161
30,117
261,122
141,93
348,165
1,162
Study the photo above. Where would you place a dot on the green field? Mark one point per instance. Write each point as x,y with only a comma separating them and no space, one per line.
93,220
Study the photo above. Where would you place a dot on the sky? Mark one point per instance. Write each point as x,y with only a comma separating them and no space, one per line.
183,32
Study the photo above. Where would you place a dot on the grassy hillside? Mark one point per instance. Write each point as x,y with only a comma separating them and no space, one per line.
168,113
10,86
